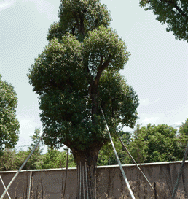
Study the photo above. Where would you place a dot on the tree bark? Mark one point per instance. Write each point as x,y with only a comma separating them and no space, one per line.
86,162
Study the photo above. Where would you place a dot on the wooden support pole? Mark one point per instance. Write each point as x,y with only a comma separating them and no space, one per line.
155,191
29,188
5,187
64,188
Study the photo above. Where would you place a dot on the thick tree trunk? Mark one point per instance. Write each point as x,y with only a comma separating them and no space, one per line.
86,173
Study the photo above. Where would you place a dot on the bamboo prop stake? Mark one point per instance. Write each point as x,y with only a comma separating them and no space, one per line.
86,181
2,196
83,181
180,173
80,180
136,164
66,173
78,177
184,184
120,165
29,190
5,187
95,173
155,191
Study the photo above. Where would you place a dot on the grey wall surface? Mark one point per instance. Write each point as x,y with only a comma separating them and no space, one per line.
48,184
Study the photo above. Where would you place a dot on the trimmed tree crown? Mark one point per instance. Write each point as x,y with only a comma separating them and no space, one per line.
77,74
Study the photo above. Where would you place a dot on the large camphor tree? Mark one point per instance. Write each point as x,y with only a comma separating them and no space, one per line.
9,125
76,76
172,12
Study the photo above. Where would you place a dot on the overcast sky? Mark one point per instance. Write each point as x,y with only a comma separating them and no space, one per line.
157,69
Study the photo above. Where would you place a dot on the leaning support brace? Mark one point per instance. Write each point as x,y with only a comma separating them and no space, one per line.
138,167
5,187
136,163
2,196
120,165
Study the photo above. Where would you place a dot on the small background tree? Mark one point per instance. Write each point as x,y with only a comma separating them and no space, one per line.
36,160
155,144
183,135
9,125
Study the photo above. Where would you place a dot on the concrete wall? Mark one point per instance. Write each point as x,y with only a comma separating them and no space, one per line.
48,183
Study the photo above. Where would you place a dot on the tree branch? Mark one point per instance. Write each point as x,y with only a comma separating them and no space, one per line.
101,68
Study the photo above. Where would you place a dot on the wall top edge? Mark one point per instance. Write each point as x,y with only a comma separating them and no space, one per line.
142,164
106,166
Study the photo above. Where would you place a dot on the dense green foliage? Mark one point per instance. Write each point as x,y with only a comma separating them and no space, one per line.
77,74
149,144
11,160
9,125
155,144
52,159
184,129
56,159
183,134
8,160
172,12
78,18
107,156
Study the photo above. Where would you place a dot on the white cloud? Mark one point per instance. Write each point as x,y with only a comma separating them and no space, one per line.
44,6
146,101
26,124
27,128
152,120
179,123
6,4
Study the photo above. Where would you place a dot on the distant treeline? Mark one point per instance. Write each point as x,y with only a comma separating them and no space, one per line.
149,143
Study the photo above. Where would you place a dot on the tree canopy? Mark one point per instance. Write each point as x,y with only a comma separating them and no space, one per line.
77,75
9,125
172,12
